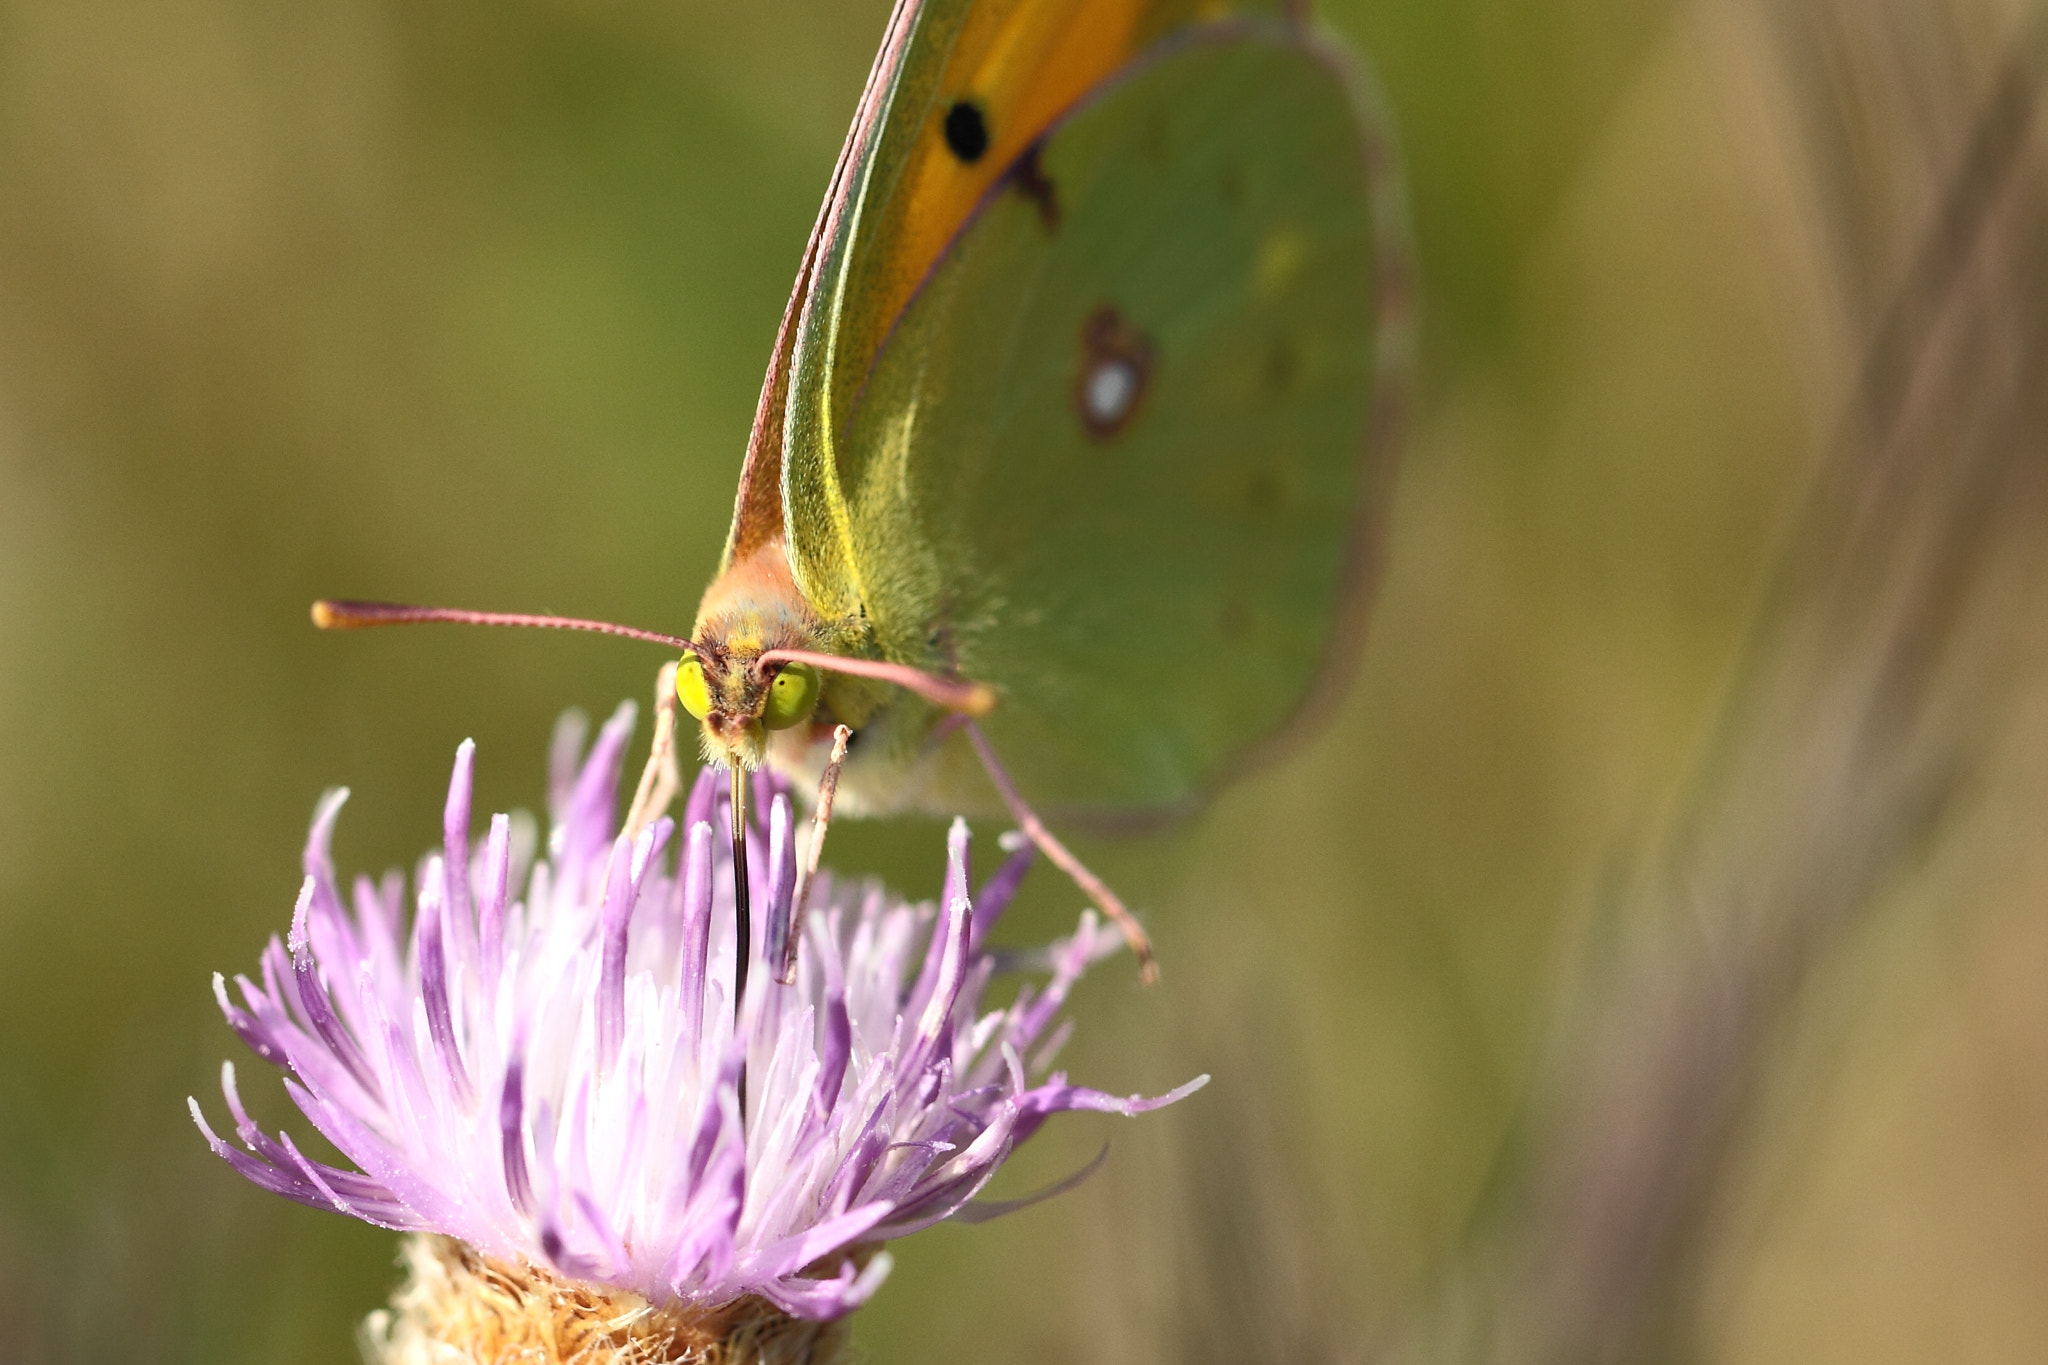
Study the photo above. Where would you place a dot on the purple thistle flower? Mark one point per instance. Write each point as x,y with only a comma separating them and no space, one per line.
557,1080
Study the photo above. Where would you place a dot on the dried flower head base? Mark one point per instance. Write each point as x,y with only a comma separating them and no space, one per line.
456,1303
560,1081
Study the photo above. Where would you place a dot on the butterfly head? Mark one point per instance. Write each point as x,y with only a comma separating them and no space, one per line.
730,681
738,700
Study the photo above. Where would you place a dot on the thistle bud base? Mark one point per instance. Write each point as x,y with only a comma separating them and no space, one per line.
458,1307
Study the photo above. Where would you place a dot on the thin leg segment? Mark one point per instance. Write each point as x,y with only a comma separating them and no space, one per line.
1035,830
828,787
660,780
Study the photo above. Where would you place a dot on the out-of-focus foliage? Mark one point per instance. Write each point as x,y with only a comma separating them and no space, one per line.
468,302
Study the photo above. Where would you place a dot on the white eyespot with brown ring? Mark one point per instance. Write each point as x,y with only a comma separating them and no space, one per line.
1116,369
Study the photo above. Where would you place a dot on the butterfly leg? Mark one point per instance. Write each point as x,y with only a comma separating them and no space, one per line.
807,870
660,780
1035,830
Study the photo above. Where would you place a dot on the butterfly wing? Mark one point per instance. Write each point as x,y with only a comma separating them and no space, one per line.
1118,454
900,192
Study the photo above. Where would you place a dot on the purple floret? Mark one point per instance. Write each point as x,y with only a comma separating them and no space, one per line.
557,1079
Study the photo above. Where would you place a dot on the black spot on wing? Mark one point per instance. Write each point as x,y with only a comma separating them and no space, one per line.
966,129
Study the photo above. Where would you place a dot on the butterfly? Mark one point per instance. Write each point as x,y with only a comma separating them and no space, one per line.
1066,478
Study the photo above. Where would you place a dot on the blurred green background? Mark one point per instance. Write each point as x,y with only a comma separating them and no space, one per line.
469,302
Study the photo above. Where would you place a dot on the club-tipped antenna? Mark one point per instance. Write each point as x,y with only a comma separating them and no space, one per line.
340,615
967,697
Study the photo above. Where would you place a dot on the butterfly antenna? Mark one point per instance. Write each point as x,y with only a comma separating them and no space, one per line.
961,695
331,614
1035,830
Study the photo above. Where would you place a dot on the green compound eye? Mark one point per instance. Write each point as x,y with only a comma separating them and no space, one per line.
691,689
791,697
